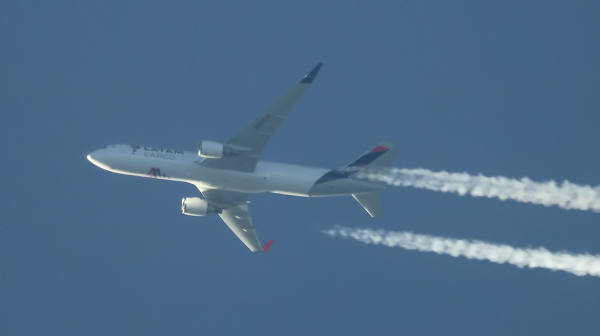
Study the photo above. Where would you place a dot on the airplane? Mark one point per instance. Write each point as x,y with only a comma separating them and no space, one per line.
226,173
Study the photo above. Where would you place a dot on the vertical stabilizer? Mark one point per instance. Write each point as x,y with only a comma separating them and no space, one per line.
376,161
370,201
382,164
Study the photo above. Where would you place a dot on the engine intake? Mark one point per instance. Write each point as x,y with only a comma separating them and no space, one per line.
195,206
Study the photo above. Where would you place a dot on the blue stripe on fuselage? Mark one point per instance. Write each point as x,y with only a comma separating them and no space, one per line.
334,175
366,159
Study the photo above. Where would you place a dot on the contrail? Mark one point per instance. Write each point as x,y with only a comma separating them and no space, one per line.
567,195
578,264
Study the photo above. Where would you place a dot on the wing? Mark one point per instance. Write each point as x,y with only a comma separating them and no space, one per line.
240,223
254,137
235,215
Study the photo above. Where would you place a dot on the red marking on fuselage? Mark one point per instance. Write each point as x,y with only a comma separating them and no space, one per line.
154,172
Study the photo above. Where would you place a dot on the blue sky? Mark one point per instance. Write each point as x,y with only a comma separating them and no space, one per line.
499,88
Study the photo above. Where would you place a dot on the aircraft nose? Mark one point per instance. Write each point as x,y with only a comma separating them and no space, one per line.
93,157
97,157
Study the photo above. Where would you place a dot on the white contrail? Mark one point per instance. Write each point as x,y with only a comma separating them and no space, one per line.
567,195
579,264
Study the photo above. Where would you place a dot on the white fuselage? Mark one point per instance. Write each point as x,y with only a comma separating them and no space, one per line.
183,166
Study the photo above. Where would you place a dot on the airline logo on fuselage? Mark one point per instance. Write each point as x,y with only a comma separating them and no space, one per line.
159,153
152,149
155,172
134,148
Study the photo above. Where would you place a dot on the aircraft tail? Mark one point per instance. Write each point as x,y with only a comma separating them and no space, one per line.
378,160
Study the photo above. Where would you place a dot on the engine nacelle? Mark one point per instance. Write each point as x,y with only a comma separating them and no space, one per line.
211,149
216,150
195,206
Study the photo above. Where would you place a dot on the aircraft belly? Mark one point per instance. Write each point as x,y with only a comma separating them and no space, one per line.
293,186
289,179
228,180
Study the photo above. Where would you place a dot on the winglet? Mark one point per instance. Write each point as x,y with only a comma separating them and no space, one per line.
311,75
267,245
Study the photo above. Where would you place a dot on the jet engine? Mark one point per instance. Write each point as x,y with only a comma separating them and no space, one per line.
195,206
211,149
216,150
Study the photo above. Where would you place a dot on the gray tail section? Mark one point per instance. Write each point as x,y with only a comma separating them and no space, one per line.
380,166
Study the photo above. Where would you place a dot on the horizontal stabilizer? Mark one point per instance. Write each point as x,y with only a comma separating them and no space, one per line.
370,201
